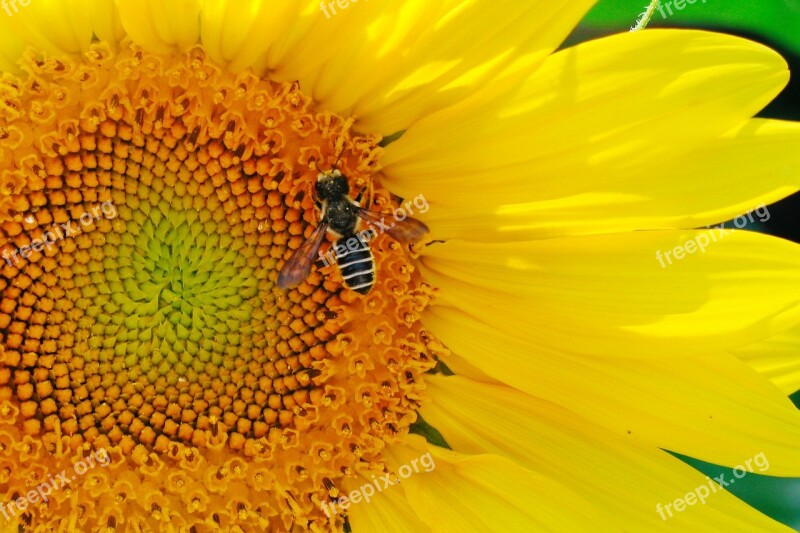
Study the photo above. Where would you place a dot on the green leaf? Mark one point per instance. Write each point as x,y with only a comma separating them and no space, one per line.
431,434
777,20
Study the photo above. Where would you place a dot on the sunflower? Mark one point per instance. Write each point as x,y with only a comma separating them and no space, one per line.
524,368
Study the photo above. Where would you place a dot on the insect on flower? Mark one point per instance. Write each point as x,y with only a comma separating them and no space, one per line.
340,218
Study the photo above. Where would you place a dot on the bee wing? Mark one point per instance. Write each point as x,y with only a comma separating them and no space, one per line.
297,268
406,230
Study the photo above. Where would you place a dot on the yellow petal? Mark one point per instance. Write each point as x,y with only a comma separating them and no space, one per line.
604,110
106,23
240,34
479,418
11,47
66,26
56,26
737,174
161,27
394,61
487,493
778,358
714,408
611,295
461,367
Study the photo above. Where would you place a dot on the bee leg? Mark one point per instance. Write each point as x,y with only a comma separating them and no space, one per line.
361,196
321,208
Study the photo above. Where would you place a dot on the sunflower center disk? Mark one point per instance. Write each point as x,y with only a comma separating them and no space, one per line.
156,329
187,298
183,300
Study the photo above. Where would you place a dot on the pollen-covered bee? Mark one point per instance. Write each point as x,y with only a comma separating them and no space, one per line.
340,217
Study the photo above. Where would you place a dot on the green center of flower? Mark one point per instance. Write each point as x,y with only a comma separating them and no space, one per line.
186,291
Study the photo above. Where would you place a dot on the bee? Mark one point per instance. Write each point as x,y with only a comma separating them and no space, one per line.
340,215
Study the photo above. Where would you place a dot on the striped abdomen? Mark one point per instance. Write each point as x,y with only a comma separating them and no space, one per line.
357,266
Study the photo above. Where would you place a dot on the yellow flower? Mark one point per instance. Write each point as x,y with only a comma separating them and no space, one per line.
157,170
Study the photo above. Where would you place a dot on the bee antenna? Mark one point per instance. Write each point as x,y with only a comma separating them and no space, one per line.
338,157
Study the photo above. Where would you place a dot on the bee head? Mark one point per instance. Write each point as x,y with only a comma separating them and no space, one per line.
331,185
